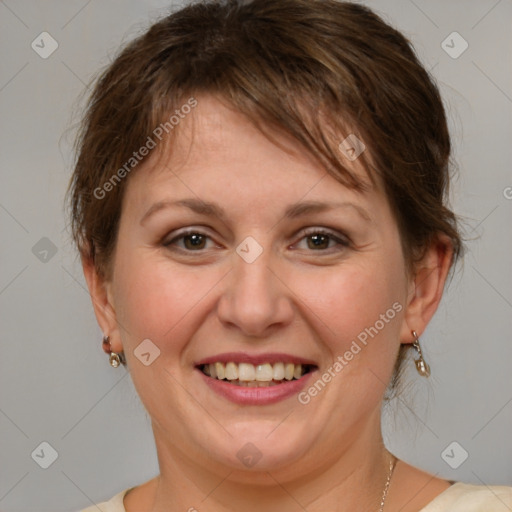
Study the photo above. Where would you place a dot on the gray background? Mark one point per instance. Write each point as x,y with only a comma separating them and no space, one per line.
55,381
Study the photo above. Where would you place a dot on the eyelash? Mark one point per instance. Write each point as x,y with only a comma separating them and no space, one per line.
343,241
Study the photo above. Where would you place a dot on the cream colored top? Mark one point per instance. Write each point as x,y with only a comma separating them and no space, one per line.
459,497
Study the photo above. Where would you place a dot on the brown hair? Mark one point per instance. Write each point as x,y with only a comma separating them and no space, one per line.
317,69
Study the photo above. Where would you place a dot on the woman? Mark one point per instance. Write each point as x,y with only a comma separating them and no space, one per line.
259,205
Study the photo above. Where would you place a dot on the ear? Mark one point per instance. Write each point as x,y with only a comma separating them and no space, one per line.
100,291
426,287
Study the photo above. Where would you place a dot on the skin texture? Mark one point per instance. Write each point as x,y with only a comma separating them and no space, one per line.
294,298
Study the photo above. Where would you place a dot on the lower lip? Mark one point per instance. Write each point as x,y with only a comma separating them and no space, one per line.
256,396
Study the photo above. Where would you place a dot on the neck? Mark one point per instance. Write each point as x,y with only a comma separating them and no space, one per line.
345,478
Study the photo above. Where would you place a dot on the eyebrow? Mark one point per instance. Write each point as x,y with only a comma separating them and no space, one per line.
293,211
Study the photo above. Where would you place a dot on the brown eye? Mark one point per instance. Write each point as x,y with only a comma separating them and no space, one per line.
196,241
191,241
321,240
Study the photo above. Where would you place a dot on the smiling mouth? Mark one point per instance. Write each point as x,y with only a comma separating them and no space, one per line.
261,375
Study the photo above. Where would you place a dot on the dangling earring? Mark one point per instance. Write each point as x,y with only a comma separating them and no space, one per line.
114,359
421,365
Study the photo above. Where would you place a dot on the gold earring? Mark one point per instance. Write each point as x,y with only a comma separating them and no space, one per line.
421,365
114,358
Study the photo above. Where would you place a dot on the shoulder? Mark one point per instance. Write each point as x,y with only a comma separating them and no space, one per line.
114,504
461,497
437,495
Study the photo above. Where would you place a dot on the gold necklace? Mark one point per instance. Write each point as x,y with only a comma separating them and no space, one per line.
392,464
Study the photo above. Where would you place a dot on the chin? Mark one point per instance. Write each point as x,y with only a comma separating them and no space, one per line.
260,448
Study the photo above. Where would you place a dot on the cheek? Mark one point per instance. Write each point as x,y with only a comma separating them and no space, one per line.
361,301
157,299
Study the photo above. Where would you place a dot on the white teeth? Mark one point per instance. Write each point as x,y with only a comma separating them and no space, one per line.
288,371
231,371
264,372
278,371
246,374
220,370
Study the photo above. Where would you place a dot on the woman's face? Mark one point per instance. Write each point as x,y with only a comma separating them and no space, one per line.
268,284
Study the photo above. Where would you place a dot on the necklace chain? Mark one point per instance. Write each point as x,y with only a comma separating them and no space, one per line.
388,481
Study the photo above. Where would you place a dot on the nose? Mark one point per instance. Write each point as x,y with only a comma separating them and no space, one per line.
256,299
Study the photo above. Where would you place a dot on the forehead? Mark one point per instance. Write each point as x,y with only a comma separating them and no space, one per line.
216,130
214,146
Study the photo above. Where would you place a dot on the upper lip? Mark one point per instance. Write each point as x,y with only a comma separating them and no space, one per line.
255,359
